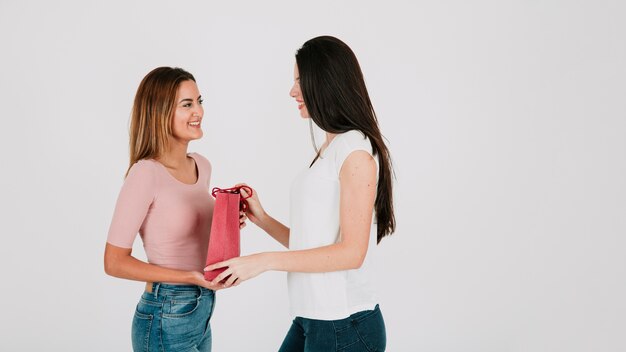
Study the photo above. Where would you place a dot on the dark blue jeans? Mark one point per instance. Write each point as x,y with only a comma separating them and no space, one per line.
173,318
362,331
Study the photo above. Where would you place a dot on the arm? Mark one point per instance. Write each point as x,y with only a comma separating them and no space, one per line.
119,262
358,192
259,217
275,229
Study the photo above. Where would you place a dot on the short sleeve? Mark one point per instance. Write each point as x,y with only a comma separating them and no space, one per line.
348,143
133,203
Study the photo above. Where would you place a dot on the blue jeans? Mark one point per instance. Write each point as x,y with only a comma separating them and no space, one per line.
362,331
173,318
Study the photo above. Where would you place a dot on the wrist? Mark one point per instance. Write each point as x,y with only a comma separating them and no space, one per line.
191,277
262,220
269,261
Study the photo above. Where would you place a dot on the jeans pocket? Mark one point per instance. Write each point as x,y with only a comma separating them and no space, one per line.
180,307
187,327
142,326
371,330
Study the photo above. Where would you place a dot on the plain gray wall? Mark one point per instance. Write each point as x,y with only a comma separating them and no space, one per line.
505,119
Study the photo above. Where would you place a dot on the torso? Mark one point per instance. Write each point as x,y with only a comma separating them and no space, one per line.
172,212
315,222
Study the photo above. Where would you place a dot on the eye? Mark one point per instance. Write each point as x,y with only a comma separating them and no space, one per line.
187,105
200,101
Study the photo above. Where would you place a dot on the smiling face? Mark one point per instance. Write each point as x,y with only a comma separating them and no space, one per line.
296,93
187,120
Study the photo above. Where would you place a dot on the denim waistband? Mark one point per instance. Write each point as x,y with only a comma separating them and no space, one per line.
160,289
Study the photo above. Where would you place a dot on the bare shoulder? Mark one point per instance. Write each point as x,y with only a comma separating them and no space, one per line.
359,164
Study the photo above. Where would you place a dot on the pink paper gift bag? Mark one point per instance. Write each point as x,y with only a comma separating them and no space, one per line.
224,239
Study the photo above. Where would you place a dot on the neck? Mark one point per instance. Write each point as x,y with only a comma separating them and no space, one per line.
176,154
329,137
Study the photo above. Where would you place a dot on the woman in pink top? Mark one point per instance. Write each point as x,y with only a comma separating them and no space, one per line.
165,198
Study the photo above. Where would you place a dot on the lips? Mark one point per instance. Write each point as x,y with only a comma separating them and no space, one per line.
194,124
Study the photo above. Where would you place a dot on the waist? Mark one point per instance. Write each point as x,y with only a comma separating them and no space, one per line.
190,262
164,289
330,296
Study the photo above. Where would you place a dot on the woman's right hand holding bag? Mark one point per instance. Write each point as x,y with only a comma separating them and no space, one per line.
255,211
260,218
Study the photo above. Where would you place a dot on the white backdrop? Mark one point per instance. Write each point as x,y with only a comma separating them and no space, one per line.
505,119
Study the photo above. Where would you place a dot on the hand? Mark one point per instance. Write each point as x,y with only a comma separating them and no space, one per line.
240,269
242,219
197,278
255,211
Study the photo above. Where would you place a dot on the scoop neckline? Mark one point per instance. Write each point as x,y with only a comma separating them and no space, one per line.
177,180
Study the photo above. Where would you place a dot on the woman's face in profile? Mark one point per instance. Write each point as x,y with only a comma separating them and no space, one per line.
186,124
297,94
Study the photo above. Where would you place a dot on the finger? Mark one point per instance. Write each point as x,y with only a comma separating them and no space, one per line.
230,281
241,184
242,226
210,286
216,266
222,276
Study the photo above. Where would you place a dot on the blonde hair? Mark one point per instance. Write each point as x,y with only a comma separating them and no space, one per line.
153,109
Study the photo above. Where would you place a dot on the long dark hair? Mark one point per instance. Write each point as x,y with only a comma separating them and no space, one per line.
336,98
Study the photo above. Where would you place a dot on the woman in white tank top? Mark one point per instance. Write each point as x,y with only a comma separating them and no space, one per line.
341,206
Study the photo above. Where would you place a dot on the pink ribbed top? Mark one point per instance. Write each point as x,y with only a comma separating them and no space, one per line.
172,218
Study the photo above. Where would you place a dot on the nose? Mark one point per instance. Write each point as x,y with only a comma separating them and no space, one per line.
295,91
198,111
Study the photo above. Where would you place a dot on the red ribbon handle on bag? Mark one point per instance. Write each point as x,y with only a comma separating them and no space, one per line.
243,205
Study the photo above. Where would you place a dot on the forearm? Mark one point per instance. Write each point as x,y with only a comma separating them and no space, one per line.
275,229
335,257
131,268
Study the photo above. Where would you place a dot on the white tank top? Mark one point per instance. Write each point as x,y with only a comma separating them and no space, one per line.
314,222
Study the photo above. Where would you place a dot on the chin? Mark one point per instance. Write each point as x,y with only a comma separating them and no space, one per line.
196,136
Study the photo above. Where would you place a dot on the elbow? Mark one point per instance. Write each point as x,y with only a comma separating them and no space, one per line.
115,259
353,254
357,261
112,265
109,267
